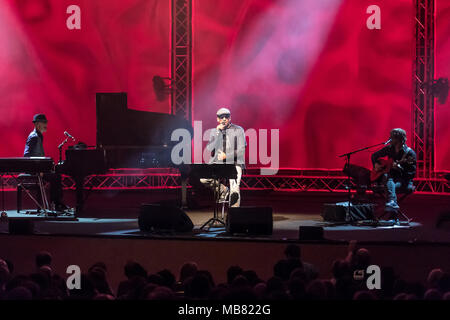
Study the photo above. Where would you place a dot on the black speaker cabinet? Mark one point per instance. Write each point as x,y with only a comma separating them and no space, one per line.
155,217
336,212
21,226
250,220
310,233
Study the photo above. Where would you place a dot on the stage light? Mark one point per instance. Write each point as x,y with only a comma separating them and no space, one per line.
439,89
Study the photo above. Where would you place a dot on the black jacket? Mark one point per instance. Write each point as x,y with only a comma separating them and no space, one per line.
231,141
34,146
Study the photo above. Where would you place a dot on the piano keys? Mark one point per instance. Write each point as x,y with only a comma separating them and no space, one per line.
30,165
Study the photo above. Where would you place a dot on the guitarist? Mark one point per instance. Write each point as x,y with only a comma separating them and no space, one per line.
403,170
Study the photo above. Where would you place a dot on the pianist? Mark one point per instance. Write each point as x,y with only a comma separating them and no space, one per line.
34,147
227,145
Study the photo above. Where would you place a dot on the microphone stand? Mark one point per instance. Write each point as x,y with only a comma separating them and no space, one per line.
347,158
60,147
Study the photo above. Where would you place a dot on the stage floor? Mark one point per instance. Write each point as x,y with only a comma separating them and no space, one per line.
285,228
114,214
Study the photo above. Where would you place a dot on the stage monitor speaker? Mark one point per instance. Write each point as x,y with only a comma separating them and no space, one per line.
250,220
336,212
310,233
155,217
20,226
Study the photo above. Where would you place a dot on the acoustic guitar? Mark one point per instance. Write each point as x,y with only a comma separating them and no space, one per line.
383,166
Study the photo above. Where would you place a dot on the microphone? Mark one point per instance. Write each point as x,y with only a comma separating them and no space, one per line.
387,142
68,135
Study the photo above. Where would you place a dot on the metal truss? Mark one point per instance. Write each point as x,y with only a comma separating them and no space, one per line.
326,180
181,70
119,181
296,181
423,76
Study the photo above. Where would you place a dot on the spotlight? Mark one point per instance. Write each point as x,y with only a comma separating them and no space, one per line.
439,89
161,88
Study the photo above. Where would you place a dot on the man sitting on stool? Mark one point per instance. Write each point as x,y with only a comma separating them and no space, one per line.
227,145
401,175
34,147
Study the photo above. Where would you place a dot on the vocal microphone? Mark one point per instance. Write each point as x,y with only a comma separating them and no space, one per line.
68,135
387,142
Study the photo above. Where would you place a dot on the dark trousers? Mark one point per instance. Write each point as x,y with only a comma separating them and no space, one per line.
55,180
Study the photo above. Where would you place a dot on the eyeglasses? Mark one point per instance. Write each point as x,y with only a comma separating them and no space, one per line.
227,116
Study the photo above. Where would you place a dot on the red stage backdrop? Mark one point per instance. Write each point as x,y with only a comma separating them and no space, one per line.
309,68
45,67
442,112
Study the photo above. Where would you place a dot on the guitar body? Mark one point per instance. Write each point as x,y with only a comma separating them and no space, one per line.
382,167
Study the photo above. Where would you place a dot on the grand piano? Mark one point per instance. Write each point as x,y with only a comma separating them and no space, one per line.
126,138
134,139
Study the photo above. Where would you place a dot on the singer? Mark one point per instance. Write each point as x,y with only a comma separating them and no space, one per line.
227,145
402,171
34,147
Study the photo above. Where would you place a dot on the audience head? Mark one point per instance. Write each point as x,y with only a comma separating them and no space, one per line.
133,269
233,272
198,287
4,271
316,290
362,258
432,294
252,277
99,265
434,277
19,293
47,271
161,293
43,258
155,279
341,269
297,288
260,290
444,282
168,278
240,282
188,270
275,284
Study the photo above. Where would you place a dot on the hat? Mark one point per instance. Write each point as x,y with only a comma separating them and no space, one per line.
40,117
223,111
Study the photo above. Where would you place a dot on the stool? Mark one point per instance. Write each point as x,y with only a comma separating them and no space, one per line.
402,195
28,183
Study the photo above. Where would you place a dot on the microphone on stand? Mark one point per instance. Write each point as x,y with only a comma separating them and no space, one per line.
68,135
387,142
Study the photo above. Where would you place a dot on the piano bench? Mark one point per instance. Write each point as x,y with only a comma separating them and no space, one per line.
30,182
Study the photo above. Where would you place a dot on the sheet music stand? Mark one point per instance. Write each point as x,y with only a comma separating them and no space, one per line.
217,172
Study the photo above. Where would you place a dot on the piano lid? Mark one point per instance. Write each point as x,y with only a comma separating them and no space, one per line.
118,126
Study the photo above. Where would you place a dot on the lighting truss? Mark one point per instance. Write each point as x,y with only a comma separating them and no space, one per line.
181,69
423,75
